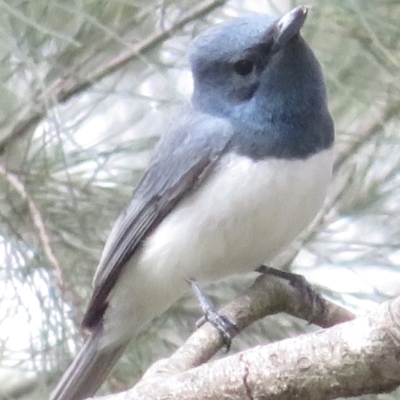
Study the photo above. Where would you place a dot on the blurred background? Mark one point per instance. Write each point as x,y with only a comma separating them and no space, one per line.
86,89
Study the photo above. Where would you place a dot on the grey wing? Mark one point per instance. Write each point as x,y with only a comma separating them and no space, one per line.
183,158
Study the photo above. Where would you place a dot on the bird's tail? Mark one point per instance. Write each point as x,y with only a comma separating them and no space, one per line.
88,371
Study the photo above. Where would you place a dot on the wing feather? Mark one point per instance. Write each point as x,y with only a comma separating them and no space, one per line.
182,160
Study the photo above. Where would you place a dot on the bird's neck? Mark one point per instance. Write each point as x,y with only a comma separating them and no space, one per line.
283,135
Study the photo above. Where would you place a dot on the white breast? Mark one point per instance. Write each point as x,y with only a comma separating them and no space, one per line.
242,216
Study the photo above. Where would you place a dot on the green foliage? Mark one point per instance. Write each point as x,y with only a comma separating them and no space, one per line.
86,89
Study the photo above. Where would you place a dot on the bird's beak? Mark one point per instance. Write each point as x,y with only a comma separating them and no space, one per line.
288,26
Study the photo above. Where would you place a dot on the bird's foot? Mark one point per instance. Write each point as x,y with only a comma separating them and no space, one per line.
225,327
298,282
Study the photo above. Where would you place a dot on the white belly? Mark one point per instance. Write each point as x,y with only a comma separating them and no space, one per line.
244,215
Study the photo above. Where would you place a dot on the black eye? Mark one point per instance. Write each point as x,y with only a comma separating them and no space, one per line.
243,67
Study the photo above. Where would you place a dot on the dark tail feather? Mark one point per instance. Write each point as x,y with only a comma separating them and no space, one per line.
87,372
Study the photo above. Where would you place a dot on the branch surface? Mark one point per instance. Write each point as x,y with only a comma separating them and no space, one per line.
350,359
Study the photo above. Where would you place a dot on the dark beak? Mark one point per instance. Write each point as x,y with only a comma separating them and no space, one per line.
288,26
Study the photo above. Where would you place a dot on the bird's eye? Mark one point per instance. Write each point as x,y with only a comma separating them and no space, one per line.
243,67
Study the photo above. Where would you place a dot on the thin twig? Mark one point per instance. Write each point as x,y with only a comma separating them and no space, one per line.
38,222
64,88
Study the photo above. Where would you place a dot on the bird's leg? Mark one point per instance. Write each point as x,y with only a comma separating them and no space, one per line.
313,298
224,326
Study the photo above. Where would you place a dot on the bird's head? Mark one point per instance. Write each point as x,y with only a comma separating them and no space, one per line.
256,65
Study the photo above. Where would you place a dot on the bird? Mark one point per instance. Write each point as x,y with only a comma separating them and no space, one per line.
240,172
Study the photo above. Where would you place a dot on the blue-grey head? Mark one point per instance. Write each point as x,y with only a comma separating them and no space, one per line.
257,70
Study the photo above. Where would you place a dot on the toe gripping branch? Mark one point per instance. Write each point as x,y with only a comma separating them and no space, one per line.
226,328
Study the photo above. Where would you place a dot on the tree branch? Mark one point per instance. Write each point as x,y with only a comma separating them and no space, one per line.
37,221
64,88
351,359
